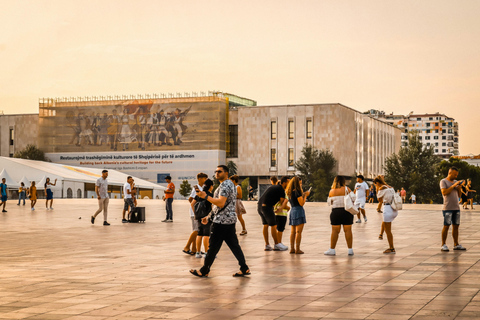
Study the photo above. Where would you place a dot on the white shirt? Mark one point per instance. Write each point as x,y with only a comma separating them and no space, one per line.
126,187
361,190
414,197
192,195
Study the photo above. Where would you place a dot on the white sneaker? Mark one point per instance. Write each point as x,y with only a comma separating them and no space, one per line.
329,252
280,247
366,219
459,247
33,209
445,248
350,252
198,255
268,247
51,208
358,221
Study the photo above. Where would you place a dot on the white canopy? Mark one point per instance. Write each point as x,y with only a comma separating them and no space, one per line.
9,181
25,181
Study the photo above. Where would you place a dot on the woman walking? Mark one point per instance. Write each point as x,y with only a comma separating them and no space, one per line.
239,207
339,216
385,195
48,189
470,193
32,193
464,197
297,200
22,191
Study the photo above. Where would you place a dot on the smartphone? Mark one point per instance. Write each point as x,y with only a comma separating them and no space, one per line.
196,188
310,189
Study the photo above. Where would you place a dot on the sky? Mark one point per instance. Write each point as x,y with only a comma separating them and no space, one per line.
395,56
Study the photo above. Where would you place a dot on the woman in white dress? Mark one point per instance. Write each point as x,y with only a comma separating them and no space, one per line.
385,195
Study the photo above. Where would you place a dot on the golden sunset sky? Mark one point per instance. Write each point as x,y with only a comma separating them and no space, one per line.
396,56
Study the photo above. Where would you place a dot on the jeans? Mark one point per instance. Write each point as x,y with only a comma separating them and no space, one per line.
21,196
220,233
168,207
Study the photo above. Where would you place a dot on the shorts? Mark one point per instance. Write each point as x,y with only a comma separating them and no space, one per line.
451,217
128,202
340,216
195,224
267,214
204,229
4,198
281,222
361,203
49,194
297,216
389,214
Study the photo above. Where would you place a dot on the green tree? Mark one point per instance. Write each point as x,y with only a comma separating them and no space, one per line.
415,168
31,152
185,188
232,168
245,183
317,170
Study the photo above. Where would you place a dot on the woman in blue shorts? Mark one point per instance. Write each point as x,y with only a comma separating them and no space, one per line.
48,190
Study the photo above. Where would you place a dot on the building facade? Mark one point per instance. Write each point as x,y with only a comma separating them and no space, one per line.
16,132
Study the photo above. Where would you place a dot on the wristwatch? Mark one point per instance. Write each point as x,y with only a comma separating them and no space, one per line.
206,197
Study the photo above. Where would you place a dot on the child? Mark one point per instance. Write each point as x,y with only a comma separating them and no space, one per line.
413,198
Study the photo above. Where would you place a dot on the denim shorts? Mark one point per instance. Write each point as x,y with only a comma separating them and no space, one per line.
451,217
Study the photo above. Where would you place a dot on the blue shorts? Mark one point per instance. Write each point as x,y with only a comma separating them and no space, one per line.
451,217
49,194
4,198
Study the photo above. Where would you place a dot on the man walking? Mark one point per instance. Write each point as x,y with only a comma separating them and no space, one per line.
451,190
3,189
101,188
169,199
403,194
127,198
361,189
223,227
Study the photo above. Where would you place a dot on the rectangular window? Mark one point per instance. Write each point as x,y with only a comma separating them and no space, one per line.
419,119
273,130
430,118
273,158
420,137
444,137
233,150
435,137
428,130
12,136
436,144
291,157
436,150
444,131
450,131
428,124
427,138
444,150
444,124
444,144
428,144
309,128
436,131
291,129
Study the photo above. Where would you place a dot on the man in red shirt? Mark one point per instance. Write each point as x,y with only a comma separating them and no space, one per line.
403,194
169,199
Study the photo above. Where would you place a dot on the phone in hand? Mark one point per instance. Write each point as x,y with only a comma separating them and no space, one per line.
309,190
196,189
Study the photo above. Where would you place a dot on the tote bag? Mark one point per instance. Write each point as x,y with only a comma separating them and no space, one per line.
349,202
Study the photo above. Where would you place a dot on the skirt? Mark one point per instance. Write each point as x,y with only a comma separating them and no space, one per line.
297,216
49,194
389,214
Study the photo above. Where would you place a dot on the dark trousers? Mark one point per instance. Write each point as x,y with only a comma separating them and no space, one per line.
220,233
168,207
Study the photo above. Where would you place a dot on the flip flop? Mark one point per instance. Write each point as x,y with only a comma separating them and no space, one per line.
188,252
242,274
195,273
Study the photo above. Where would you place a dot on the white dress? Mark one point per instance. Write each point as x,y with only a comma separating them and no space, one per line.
387,195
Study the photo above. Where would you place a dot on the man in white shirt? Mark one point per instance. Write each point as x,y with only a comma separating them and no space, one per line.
127,198
101,188
361,189
201,177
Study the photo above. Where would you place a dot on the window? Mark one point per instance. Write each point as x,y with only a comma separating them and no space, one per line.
273,130
233,144
406,130
273,158
444,124
450,131
435,137
444,131
431,118
291,157
309,128
436,131
444,137
419,137
428,130
12,136
444,144
444,150
436,150
427,138
428,124
428,144
436,144
419,119
291,129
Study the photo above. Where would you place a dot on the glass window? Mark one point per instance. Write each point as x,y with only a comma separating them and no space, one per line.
12,136
419,119
444,131
436,144
428,130
291,129
273,158
430,118
444,137
444,144
273,130
444,124
435,137
428,124
291,157
233,143
309,128
444,150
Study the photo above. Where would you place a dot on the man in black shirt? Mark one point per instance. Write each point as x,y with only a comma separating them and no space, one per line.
271,196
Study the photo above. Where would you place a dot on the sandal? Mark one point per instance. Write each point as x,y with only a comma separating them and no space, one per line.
389,251
195,273
242,274
299,252
292,252
380,237
244,232
188,252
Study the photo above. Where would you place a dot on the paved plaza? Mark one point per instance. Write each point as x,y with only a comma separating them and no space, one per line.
57,265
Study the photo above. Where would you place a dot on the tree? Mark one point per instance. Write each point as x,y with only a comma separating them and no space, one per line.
415,168
232,168
317,170
185,188
245,183
31,152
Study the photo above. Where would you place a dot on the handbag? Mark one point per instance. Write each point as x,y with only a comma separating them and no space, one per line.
349,202
239,207
396,201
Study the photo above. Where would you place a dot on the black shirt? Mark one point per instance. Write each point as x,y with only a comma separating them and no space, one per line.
294,199
272,195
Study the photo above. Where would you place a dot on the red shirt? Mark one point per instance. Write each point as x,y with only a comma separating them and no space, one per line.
403,193
170,187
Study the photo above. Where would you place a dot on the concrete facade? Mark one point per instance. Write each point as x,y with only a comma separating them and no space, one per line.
25,131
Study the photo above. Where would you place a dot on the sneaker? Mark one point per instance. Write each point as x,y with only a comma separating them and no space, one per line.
330,252
358,221
32,209
445,248
166,220
51,208
169,220
366,219
124,221
92,219
268,247
280,247
18,204
4,210
350,252
198,255
105,223
459,247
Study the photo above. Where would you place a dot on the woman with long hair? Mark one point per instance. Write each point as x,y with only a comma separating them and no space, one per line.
297,200
48,190
239,207
470,194
385,195
339,216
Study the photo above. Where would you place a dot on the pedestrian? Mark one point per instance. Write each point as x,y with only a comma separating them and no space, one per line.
265,208
3,190
101,188
239,207
403,194
470,193
361,189
451,210
223,227
191,246
339,216
169,199
273,180
464,196
281,214
371,195
32,194
385,195
413,198
297,199
204,230
250,193
22,191
127,198
48,188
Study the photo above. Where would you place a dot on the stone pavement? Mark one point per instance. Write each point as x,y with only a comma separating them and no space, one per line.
55,265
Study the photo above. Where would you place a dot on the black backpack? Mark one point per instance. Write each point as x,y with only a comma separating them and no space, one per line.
202,209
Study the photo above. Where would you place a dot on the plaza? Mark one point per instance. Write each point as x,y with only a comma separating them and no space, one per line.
57,265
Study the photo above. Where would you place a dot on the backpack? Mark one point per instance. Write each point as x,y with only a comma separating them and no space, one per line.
397,201
201,209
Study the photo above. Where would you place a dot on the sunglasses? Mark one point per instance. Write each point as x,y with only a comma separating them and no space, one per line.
218,171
